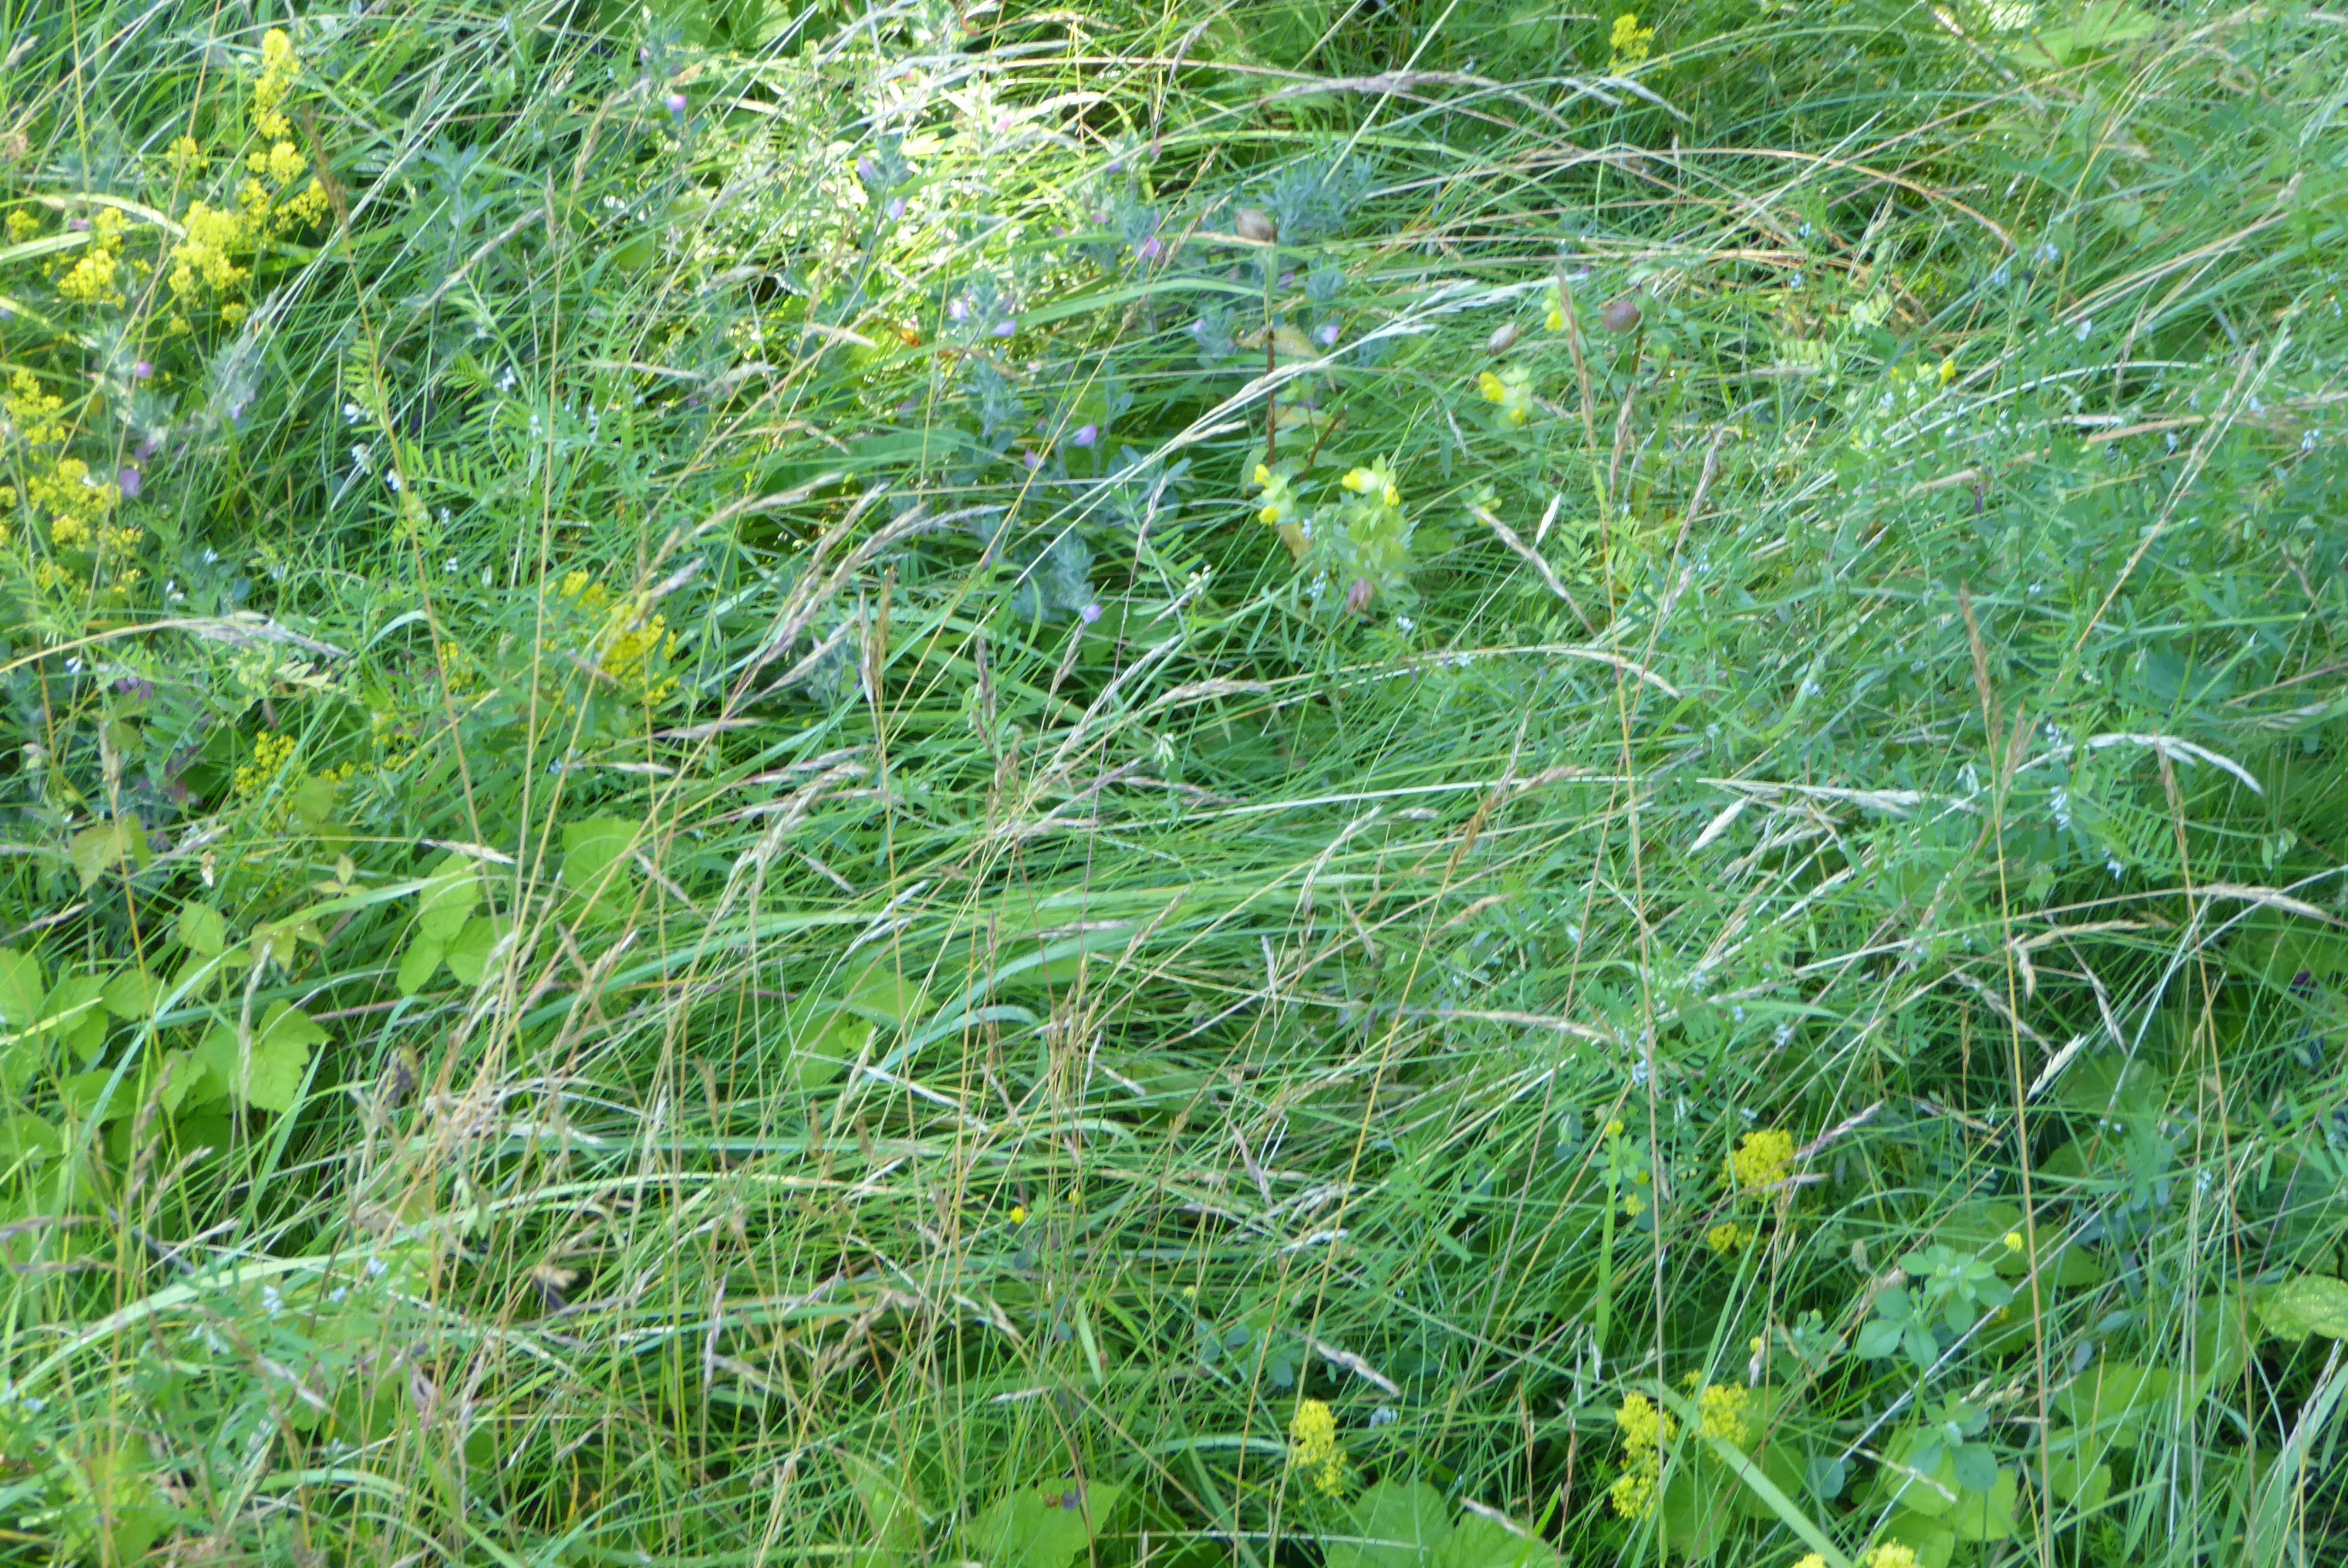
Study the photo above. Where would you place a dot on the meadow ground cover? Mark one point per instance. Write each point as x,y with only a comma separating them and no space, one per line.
1403,786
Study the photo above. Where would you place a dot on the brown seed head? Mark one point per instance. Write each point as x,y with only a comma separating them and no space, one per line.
1253,223
1358,596
1504,338
1619,315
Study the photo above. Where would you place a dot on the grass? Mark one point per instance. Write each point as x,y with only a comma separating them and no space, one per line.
688,881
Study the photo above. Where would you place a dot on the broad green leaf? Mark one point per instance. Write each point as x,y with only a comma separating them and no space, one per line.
203,930
1047,1527
595,862
132,993
310,804
26,1137
1475,1542
419,961
23,989
2114,1397
118,1512
2082,1485
75,1007
1932,1541
1395,1525
117,843
447,899
282,1043
2305,1304
468,955
1986,1515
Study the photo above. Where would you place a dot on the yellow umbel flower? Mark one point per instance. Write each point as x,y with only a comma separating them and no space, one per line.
279,66
1723,1407
1763,1159
1645,1430
1728,1238
1630,42
270,752
1313,1447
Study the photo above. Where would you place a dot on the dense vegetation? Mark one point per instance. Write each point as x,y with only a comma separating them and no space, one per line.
1403,786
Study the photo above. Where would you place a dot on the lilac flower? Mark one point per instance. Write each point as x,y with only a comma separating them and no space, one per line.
141,371
868,171
896,209
1085,434
1150,249
1090,613
1326,335
677,103
958,310
1006,326
129,479
147,445
1035,458
77,225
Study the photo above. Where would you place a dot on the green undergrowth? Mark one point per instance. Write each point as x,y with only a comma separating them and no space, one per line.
1398,786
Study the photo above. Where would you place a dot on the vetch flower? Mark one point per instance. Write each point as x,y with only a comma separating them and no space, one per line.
1085,434
128,481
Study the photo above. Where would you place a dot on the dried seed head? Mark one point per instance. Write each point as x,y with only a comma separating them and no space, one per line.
1619,315
1504,338
1358,596
1253,223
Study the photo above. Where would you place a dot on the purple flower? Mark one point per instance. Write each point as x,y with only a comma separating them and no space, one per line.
1327,335
1006,326
896,208
1090,613
1149,250
1085,434
1035,458
77,225
141,371
130,481
676,104
958,310
147,445
868,171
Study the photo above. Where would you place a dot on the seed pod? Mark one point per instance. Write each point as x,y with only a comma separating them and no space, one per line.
1619,315
1358,596
1504,338
1253,223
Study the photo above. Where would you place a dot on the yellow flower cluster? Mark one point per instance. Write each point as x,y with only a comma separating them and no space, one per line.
22,226
1730,1237
625,642
1723,1407
36,417
270,752
1763,1159
1890,1555
1645,1430
77,508
1630,42
1377,480
1513,392
279,66
206,260
1313,1447
91,281
1282,511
